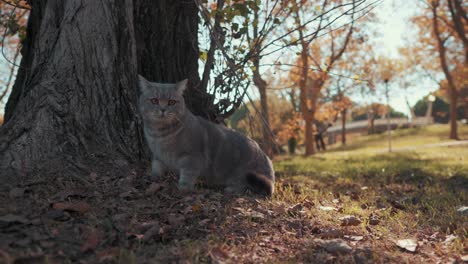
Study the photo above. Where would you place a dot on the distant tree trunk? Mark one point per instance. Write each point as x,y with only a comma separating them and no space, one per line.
443,62
412,113
267,142
74,99
465,107
343,126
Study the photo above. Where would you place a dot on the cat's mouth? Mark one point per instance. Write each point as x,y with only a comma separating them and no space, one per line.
166,117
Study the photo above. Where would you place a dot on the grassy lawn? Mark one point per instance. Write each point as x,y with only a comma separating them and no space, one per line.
389,196
413,194
403,138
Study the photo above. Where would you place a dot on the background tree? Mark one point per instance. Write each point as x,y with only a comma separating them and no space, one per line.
445,43
323,54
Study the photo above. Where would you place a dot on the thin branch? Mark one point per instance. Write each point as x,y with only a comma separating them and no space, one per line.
10,76
16,5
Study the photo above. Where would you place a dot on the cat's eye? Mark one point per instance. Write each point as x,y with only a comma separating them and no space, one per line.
171,102
154,100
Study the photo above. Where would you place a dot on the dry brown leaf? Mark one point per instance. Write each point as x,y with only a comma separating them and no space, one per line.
153,188
350,220
79,207
354,238
219,254
463,210
373,220
93,237
331,233
407,244
327,208
334,246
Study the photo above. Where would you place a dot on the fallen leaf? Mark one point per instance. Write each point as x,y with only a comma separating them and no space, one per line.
354,238
218,254
327,208
255,214
79,207
350,220
331,233
334,246
65,194
281,209
397,205
154,232
373,220
11,219
153,188
175,220
449,239
295,209
463,210
108,254
57,215
196,207
204,222
93,237
407,244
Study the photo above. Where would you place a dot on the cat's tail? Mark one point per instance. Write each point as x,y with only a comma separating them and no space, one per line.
260,183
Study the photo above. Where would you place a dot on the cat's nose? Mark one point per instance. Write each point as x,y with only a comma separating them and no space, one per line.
162,111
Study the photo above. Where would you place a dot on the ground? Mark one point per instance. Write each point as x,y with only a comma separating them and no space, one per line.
349,205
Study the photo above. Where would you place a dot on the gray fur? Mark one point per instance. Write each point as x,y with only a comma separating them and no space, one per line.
193,147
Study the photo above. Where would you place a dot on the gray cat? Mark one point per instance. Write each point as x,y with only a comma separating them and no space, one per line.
193,147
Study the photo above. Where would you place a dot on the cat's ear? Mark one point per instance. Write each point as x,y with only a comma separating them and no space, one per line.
142,83
181,86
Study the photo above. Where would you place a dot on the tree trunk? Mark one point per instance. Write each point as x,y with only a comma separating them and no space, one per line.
343,126
370,122
453,116
465,107
309,135
450,80
74,102
268,142
167,48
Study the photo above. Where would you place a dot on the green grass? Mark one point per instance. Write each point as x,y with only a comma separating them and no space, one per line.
415,193
403,138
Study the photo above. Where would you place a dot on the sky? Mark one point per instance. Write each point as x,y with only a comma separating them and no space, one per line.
394,29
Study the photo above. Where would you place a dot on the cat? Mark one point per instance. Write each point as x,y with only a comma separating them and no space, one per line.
193,147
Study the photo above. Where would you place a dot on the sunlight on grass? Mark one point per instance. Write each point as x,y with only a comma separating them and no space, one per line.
402,138
411,191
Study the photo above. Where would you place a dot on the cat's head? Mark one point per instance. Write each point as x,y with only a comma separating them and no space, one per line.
161,101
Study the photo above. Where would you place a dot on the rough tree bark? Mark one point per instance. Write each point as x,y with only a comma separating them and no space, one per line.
167,47
74,99
75,93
